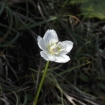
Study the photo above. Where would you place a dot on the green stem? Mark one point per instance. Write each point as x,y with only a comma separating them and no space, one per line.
41,83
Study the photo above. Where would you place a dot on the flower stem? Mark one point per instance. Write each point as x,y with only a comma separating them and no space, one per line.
41,83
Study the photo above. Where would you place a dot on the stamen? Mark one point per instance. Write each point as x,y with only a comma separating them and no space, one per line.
54,48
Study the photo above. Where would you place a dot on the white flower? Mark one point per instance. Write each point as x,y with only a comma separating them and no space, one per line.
53,49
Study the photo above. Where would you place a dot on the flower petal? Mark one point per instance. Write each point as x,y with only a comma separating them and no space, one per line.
47,56
44,55
51,57
68,45
62,58
42,44
39,38
50,37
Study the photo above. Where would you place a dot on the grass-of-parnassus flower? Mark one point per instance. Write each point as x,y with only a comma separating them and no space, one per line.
53,49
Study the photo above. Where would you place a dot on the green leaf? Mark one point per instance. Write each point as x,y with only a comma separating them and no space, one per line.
93,8
25,99
24,27
2,6
10,42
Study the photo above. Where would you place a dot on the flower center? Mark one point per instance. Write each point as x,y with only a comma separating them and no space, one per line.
55,48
